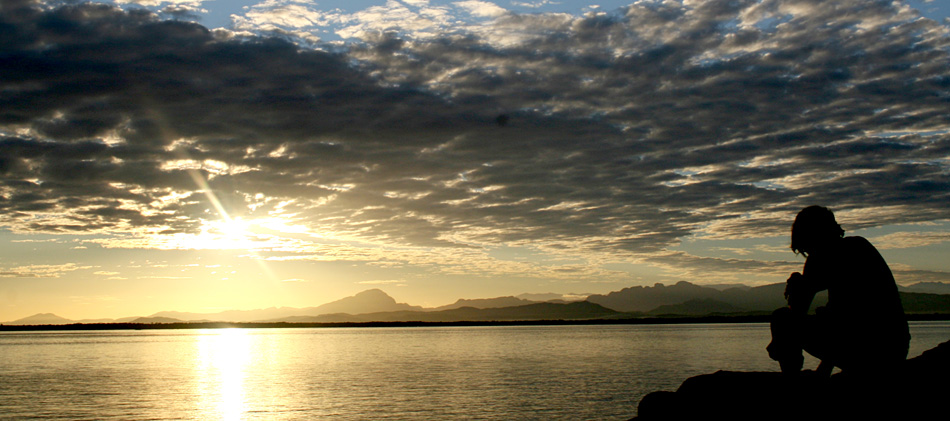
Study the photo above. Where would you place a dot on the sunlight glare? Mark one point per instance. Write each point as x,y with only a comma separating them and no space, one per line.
224,356
236,229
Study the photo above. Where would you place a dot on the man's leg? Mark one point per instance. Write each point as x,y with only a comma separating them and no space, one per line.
786,346
818,340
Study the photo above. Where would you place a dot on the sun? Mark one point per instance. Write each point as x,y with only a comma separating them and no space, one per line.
227,234
236,229
253,234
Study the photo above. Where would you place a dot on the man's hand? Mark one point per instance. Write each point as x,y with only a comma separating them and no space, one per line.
799,292
794,285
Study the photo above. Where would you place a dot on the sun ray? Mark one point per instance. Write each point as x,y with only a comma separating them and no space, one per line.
236,230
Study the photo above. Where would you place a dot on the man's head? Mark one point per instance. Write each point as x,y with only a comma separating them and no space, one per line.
814,227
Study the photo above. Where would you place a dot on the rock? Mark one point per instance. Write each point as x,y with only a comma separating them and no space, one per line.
916,392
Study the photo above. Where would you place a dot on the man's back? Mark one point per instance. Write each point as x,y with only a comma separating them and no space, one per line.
864,307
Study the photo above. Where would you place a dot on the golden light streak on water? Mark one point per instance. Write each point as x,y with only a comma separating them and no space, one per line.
223,359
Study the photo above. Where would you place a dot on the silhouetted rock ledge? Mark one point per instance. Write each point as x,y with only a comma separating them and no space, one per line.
918,392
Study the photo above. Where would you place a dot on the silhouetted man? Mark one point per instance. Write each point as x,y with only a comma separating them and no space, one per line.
862,329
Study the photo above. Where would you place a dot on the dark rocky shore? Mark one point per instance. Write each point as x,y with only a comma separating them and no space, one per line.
918,392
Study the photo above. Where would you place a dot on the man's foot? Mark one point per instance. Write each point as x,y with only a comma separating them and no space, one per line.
824,369
791,366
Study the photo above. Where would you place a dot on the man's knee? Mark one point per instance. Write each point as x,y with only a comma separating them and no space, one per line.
782,313
782,319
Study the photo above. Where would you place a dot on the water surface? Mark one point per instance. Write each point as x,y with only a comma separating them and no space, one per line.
489,373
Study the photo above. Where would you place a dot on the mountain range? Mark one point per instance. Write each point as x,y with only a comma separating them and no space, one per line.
369,301
680,299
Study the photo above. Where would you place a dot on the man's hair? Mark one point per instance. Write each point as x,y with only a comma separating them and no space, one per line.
813,223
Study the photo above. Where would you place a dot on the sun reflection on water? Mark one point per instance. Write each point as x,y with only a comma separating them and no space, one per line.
223,359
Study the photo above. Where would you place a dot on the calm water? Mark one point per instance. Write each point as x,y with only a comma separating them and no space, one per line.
485,373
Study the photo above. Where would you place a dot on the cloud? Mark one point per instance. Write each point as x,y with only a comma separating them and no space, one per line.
40,271
627,131
306,20
905,275
536,4
296,19
711,270
482,8
395,282
900,240
177,3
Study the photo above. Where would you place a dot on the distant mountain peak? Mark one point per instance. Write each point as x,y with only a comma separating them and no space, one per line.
483,303
670,298
369,301
375,293
42,319
928,288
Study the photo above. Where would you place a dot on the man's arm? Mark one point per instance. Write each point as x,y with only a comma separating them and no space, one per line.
799,292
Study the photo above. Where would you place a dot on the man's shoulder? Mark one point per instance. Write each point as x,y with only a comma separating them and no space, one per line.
858,245
856,240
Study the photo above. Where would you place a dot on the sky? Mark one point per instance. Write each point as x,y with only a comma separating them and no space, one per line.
200,156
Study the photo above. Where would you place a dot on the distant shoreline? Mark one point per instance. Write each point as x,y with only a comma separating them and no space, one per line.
254,325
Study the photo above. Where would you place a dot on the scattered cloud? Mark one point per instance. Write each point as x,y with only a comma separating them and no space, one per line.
626,131
153,3
394,282
715,270
905,275
536,4
901,240
40,271
482,8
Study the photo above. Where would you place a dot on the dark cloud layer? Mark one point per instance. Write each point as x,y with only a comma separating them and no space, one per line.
625,131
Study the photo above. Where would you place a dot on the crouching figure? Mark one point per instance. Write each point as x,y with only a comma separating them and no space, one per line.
862,329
